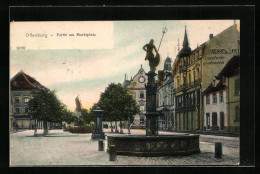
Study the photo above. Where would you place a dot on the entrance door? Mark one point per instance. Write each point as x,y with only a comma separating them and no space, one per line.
184,121
187,120
214,119
221,120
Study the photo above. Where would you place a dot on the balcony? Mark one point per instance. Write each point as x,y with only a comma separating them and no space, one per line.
197,82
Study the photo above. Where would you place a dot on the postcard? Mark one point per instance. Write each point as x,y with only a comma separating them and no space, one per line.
125,93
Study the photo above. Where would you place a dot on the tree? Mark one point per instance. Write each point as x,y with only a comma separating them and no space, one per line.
87,116
68,116
45,106
118,104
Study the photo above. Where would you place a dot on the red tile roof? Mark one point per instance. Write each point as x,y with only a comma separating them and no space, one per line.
22,81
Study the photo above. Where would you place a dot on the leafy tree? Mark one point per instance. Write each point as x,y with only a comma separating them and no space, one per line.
45,106
68,116
118,104
87,116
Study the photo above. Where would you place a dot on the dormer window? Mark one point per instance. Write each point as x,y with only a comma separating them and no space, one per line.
15,84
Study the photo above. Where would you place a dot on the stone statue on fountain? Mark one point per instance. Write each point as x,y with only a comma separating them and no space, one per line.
153,60
151,114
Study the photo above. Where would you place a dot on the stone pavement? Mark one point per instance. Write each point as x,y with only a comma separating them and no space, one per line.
66,149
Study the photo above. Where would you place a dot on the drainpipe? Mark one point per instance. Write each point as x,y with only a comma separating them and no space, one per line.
201,97
228,106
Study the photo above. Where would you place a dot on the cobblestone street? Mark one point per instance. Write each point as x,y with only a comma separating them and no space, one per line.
63,148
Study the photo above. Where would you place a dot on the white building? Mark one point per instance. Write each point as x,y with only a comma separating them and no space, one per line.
136,87
165,97
22,86
215,115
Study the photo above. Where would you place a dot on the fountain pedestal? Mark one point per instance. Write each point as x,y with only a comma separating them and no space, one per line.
98,131
151,114
152,144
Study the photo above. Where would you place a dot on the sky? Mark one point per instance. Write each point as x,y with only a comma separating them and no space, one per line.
87,72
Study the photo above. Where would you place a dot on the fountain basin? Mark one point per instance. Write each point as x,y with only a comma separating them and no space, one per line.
162,145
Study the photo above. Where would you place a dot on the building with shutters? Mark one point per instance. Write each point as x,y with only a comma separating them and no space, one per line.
222,100
21,87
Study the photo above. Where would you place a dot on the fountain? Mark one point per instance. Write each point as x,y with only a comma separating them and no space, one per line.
153,144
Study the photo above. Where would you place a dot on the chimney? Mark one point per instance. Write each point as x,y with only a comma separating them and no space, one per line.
210,36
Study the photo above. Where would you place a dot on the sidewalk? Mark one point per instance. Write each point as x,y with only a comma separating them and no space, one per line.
66,149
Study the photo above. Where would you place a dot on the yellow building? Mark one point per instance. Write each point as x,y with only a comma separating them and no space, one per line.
187,74
193,72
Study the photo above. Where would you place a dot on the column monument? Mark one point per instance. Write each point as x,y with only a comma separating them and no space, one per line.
151,114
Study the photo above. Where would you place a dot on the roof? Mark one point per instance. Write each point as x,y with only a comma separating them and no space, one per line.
219,87
22,81
168,59
231,68
128,82
185,46
182,52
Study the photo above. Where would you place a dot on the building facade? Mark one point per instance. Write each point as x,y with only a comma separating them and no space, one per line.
21,87
231,75
187,75
136,87
215,114
193,72
165,97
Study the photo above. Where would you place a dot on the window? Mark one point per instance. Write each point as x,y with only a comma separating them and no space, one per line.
198,72
214,98
208,120
207,100
189,79
26,99
142,120
17,110
26,109
237,86
172,96
194,77
221,99
141,94
191,99
17,99
142,108
237,116
198,97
